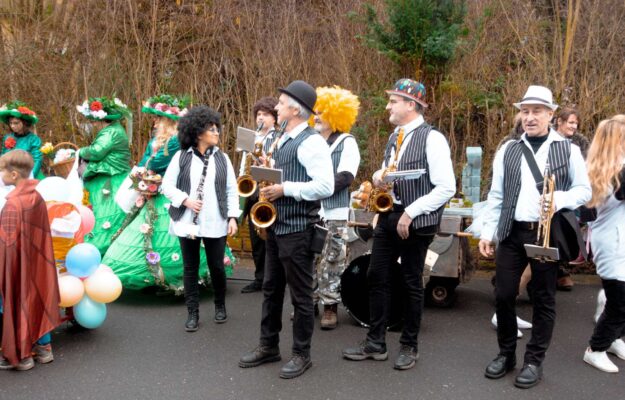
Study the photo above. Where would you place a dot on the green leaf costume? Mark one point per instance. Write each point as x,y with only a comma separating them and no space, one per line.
109,162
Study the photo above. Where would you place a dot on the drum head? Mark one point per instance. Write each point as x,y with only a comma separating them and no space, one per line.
355,292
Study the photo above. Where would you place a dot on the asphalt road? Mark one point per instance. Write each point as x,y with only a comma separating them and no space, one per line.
142,352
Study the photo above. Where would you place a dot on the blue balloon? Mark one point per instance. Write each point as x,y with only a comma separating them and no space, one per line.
82,260
89,313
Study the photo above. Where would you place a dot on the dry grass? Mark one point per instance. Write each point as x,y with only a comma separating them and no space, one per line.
229,53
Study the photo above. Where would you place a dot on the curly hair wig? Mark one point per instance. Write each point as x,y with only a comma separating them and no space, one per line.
338,107
195,123
268,105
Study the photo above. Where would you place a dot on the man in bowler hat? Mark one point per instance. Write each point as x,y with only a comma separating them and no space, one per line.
304,158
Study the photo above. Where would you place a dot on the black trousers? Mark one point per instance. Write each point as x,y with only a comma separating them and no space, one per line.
289,260
214,248
258,253
258,244
611,324
387,247
510,260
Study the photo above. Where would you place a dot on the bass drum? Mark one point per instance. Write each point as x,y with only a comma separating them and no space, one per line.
355,292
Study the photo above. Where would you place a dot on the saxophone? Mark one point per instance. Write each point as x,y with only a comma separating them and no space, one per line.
263,214
380,199
246,185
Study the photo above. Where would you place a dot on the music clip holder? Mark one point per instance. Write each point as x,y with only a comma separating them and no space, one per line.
403,175
261,174
246,139
542,254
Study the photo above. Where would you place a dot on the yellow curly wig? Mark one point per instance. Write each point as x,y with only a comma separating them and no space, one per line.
338,107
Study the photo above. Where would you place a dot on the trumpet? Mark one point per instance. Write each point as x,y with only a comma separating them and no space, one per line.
246,185
263,214
541,250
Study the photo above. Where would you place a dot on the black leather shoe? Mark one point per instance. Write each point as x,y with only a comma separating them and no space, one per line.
529,376
220,314
193,321
366,350
296,366
260,355
500,366
252,287
407,358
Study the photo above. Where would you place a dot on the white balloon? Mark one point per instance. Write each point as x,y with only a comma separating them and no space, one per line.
53,188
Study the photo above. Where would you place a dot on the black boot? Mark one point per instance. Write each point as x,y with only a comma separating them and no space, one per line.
193,321
220,314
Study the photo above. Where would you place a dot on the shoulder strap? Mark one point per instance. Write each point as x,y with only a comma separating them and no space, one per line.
339,139
531,162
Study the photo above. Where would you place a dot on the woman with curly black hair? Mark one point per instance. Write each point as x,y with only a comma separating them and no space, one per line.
202,188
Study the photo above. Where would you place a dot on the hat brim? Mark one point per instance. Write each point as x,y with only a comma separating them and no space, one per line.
550,106
407,96
109,117
6,114
153,111
296,98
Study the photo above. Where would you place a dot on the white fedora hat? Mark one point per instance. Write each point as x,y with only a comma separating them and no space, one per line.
538,95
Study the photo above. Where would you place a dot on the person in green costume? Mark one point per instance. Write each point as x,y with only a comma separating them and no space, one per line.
103,166
21,119
144,233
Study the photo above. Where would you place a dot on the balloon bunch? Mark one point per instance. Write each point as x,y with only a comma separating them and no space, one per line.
88,285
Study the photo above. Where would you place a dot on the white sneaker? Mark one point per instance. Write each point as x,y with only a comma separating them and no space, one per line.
519,334
618,348
600,304
600,360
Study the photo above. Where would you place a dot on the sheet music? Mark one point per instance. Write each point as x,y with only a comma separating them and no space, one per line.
266,174
246,139
404,175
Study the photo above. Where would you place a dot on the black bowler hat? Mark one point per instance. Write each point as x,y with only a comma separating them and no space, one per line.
303,93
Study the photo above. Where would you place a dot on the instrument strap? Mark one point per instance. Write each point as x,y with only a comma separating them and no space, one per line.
531,162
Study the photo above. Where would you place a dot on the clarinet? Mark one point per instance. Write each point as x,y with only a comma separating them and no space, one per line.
200,187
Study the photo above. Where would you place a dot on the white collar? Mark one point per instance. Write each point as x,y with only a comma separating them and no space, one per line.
412,125
297,130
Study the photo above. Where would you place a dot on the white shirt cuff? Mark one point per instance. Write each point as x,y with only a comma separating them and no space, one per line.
290,189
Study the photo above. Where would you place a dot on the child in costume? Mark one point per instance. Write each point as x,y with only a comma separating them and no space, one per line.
29,291
20,120
107,162
143,253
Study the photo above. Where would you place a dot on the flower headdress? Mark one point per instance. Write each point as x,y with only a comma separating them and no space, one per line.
338,107
17,109
104,108
166,105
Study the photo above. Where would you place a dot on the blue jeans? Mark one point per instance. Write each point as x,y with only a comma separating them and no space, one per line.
44,340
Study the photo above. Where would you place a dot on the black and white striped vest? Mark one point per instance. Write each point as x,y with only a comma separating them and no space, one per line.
293,216
559,160
269,139
415,157
184,182
339,199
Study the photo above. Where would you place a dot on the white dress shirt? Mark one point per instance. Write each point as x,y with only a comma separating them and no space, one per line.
349,162
440,170
314,155
211,223
528,203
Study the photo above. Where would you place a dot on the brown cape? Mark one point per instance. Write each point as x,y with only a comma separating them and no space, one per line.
28,277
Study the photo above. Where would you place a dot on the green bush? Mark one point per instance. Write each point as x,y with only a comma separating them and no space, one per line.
421,32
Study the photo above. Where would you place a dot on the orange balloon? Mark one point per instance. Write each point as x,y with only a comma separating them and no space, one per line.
71,290
103,287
